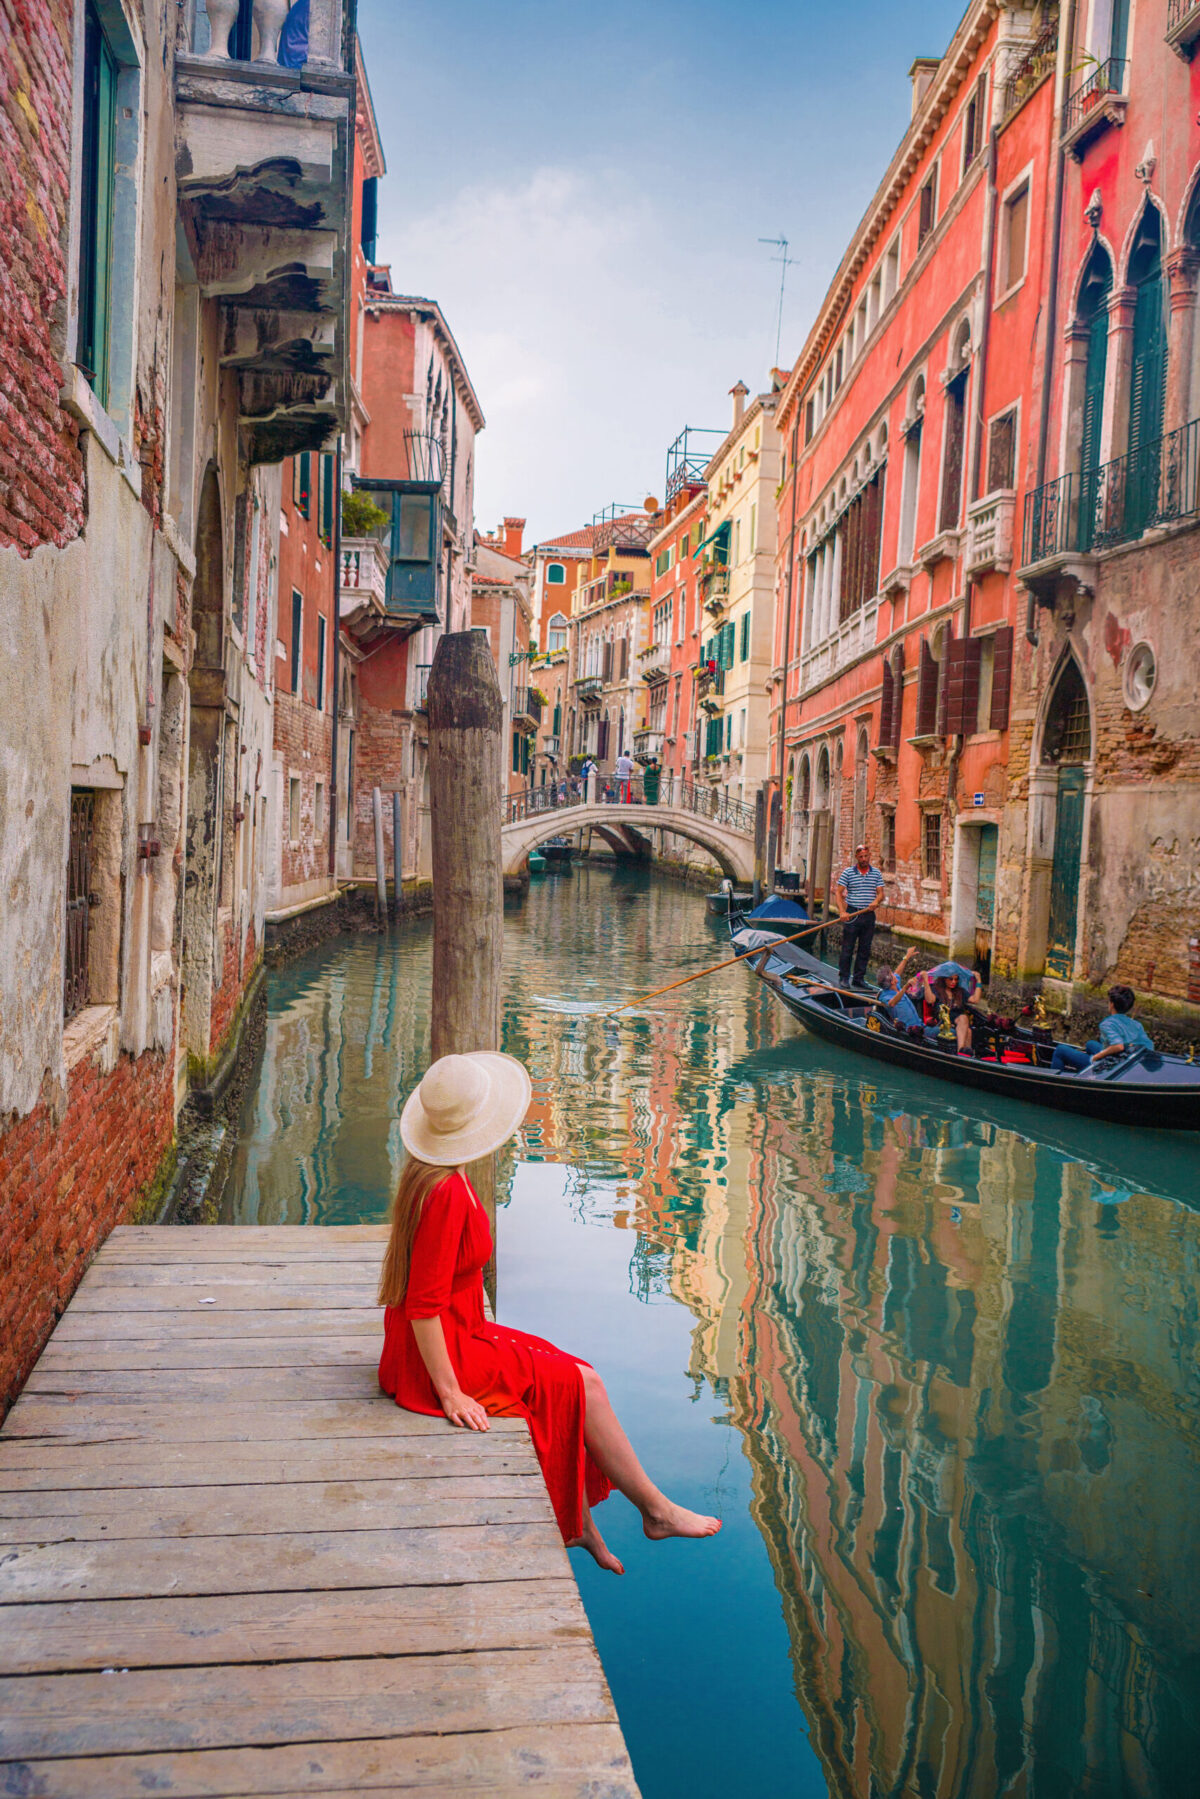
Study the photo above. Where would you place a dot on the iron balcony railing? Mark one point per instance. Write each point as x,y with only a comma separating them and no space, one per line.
1096,509
1107,78
527,704
1037,62
588,686
1178,11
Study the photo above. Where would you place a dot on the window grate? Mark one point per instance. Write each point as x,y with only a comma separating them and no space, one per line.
931,846
79,884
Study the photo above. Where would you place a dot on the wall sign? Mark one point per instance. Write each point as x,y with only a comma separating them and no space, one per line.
979,799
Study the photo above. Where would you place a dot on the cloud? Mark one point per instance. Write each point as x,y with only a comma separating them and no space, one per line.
585,315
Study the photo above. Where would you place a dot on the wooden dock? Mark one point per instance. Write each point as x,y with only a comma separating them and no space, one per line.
230,1565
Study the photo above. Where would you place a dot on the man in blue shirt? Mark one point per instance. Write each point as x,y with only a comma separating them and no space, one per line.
860,891
1119,1033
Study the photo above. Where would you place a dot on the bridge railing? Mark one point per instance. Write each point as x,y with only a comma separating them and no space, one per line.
688,796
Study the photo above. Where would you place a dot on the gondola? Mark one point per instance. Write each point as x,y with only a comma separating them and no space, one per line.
1141,1088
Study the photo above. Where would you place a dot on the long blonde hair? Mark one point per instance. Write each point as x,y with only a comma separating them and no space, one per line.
417,1181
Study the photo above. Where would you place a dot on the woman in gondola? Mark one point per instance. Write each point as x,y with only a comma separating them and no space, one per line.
442,1355
954,988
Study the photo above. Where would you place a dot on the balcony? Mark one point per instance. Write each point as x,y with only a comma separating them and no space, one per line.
1183,27
364,574
656,663
647,745
526,708
1098,103
264,131
990,532
588,689
551,747
1027,75
851,640
622,528
1070,521
715,585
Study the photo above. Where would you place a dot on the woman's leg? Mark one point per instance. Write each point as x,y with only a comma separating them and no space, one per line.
614,1455
590,1539
962,1026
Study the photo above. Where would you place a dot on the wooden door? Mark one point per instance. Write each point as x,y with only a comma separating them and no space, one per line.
1064,876
985,895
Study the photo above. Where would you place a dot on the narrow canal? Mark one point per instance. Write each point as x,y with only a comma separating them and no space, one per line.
938,1368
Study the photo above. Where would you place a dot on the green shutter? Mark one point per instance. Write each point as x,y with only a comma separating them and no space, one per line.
744,648
1147,393
1093,420
327,478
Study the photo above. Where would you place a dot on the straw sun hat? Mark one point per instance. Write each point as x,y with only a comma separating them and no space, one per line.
465,1107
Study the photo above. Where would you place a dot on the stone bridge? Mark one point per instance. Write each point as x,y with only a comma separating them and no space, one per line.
725,828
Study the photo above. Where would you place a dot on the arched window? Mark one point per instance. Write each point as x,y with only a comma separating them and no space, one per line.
910,491
1147,374
821,800
1067,735
556,633
556,574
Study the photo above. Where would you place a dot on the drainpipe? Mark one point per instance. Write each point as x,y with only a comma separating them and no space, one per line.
787,631
1060,89
337,633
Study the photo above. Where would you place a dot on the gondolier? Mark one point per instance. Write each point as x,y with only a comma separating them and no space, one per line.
860,893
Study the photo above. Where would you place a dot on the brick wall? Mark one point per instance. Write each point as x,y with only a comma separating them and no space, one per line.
41,467
64,1185
235,975
304,743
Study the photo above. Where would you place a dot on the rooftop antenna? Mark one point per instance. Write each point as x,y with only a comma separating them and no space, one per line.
781,244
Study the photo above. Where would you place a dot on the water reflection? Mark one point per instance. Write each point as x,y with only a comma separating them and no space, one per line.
960,1351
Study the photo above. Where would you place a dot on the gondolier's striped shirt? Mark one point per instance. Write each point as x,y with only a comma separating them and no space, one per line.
860,888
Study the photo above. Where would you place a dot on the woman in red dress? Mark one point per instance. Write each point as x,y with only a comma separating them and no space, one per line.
442,1354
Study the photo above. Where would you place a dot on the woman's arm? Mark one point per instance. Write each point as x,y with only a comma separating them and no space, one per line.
458,1406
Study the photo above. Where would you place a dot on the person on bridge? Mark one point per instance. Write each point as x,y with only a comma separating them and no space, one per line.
442,1355
625,776
860,892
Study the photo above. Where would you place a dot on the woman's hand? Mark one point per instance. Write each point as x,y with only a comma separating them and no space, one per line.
465,1412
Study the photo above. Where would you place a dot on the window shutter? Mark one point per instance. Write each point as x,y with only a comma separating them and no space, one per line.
602,740
897,695
730,635
327,480
958,709
624,658
927,692
608,660
1001,453
744,651
1001,679
1147,391
885,705
952,465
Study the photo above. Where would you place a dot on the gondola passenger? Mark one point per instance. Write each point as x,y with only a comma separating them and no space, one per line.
896,999
1119,1033
951,991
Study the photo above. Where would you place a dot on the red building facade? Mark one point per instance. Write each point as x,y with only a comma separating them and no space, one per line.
904,428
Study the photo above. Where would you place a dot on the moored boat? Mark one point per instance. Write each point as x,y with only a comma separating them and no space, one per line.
1142,1087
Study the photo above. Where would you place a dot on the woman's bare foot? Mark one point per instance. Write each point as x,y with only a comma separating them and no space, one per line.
597,1548
670,1520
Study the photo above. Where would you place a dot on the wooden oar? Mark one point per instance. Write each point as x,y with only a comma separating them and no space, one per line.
809,931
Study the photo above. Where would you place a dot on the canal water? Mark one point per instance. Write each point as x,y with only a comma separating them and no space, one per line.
936,1365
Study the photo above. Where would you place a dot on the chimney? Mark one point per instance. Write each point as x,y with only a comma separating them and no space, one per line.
921,74
739,394
513,531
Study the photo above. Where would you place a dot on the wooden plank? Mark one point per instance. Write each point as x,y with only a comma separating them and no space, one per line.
250,1296
579,1761
285,1271
234,1707
218,1386
268,1508
34,1572
37,1467
155,1237
197,1324
89,1420
152,1353
271,1627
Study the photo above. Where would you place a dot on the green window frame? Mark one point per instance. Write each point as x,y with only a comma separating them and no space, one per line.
322,632
96,205
556,574
744,645
297,638
327,478
302,484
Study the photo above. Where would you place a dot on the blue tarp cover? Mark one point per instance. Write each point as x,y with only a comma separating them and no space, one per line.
776,906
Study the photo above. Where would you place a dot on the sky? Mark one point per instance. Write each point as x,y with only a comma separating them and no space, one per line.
582,189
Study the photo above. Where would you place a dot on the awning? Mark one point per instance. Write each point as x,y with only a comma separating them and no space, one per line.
721,534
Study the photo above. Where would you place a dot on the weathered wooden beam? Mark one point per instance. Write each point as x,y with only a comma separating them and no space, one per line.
466,784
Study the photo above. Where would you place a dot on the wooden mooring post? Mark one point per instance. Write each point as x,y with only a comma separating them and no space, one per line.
397,851
466,784
380,864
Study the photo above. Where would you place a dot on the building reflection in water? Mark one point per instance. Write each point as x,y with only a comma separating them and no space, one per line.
964,1363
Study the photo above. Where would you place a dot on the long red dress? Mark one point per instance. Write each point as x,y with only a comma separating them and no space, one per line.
509,1372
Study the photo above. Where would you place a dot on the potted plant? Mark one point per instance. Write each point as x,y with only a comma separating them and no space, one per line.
361,517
